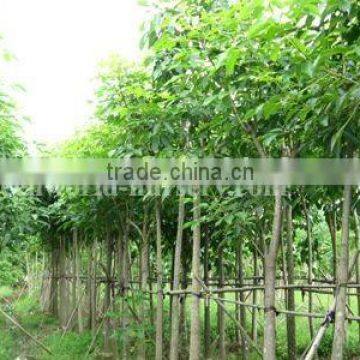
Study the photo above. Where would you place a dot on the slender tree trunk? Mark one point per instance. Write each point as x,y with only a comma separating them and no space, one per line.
338,346
184,284
357,266
240,281
144,278
54,295
63,296
92,287
237,295
290,319
196,285
171,282
28,278
283,262
45,297
151,295
331,220
207,324
76,284
270,279
327,320
109,340
159,303
174,345
310,266
220,310
73,281
124,284
254,315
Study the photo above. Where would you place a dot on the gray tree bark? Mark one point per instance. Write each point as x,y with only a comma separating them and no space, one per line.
63,289
207,323
310,266
254,315
196,285
290,319
109,340
339,342
270,279
240,281
159,303
357,266
92,287
220,310
174,344
54,286
331,220
144,278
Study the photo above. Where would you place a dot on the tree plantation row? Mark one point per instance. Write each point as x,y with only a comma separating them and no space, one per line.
216,274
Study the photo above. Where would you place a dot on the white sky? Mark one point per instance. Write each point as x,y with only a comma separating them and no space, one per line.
58,44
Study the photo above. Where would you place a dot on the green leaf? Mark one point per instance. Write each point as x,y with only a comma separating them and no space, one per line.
228,59
271,108
232,58
336,137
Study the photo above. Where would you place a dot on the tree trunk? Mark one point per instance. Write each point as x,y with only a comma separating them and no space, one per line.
338,346
174,345
76,285
207,323
357,266
54,286
240,281
92,288
124,284
196,285
184,284
107,295
63,295
331,221
109,340
144,278
159,303
254,315
270,279
310,266
220,310
290,319
45,295
74,294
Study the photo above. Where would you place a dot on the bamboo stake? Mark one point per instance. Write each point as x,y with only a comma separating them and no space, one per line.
219,302
329,317
12,320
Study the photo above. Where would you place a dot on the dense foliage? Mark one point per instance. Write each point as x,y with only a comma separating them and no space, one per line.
221,78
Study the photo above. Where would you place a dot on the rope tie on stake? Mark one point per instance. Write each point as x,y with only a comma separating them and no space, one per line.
329,317
197,294
271,309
